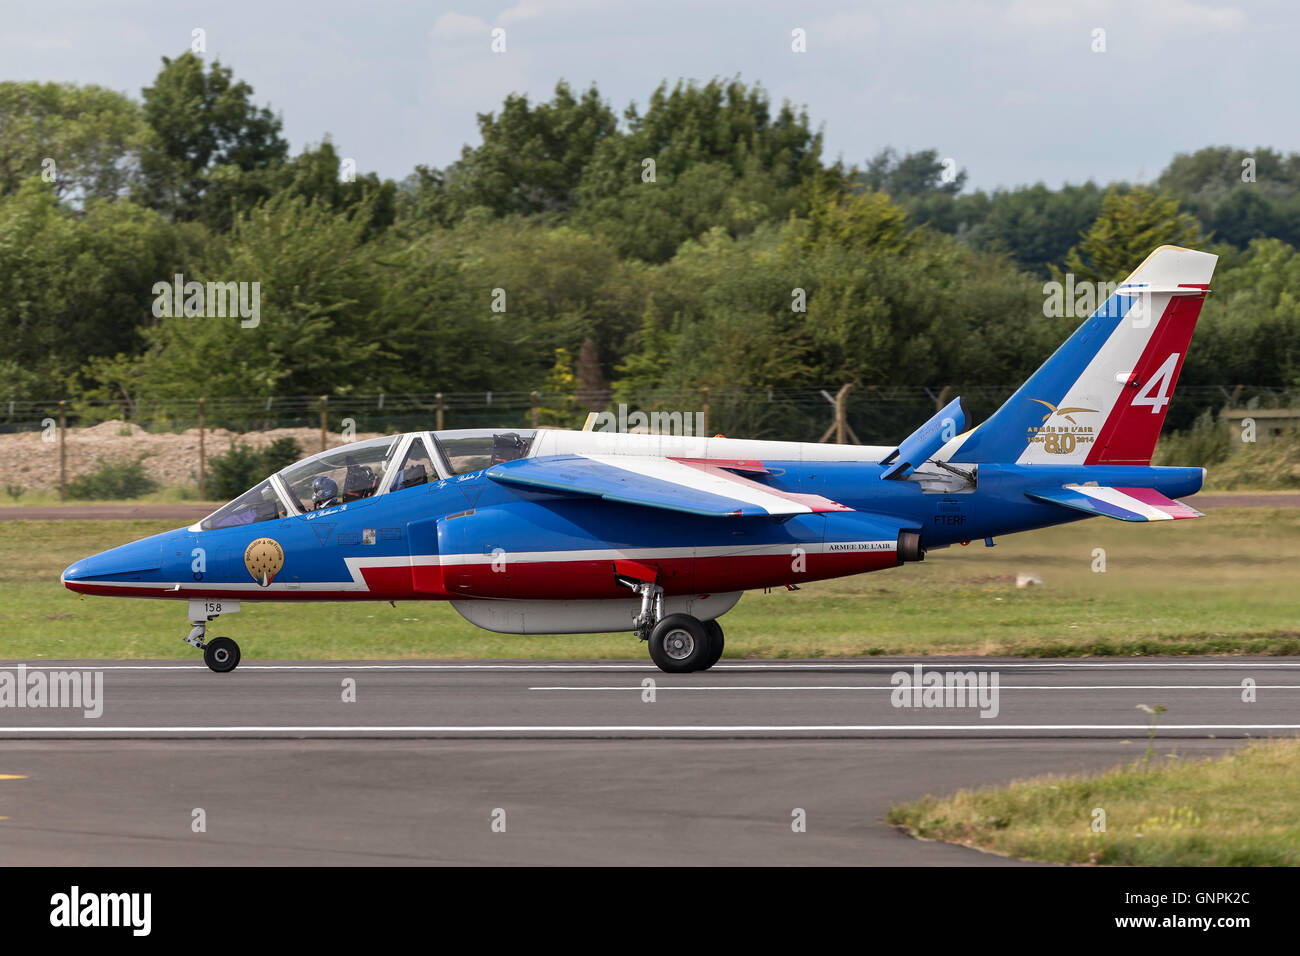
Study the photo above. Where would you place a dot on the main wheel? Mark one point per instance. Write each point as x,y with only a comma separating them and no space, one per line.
679,644
715,644
221,655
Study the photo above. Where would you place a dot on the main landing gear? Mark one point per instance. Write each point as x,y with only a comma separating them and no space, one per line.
679,643
221,654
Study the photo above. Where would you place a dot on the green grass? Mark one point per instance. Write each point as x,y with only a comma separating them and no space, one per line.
1235,810
175,495
1222,584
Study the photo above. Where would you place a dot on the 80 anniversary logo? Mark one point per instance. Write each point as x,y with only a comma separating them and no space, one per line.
1061,439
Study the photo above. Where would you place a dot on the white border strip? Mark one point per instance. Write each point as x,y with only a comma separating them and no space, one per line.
933,665
633,728
637,688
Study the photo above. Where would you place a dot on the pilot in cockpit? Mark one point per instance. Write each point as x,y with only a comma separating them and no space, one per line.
324,493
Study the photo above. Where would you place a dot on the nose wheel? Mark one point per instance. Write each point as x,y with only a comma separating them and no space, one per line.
221,654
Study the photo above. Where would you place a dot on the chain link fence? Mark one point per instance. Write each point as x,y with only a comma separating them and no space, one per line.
876,415
45,445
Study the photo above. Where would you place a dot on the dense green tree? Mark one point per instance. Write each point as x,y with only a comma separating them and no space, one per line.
531,159
701,156
700,242
1249,331
1032,224
317,295
913,175
204,120
314,174
1239,194
76,284
85,141
1131,225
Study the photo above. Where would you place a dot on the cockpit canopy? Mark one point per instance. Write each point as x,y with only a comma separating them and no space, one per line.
363,469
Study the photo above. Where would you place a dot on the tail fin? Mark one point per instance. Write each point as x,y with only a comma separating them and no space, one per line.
1101,398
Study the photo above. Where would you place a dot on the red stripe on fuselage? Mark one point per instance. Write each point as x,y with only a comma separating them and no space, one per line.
542,580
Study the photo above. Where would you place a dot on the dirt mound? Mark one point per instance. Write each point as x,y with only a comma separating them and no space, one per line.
28,460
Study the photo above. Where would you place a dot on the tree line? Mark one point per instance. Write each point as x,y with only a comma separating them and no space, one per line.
702,239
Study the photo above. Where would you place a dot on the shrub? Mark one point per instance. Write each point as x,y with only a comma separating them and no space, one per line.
280,454
1207,442
114,480
244,466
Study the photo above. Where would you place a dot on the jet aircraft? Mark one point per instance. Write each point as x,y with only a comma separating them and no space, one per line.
541,531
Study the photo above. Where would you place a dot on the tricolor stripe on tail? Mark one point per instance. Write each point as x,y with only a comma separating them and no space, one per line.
1101,398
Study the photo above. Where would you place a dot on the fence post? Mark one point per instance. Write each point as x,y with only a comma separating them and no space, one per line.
203,456
839,416
324,419
63,452
439,418
840,427
532,397
705,391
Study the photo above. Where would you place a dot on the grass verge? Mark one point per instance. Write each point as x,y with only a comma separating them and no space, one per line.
1234,810
1224,584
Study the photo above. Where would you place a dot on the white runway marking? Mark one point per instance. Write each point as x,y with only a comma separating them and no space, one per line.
637,728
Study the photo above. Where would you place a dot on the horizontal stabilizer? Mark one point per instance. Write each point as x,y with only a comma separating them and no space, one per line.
1126,504
917,447
698,486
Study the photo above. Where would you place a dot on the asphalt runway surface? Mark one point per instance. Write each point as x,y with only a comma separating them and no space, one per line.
576,759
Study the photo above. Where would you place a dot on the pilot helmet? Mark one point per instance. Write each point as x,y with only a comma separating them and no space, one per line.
324,490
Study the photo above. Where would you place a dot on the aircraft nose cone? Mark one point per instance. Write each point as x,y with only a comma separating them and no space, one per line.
131,562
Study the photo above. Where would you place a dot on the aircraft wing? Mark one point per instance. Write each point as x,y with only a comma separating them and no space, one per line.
699,486
1125,504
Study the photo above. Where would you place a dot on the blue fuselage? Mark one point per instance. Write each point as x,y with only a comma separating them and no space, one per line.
472,537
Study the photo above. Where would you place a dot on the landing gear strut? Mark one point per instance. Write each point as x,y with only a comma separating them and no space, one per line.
679,643
221,654
652,606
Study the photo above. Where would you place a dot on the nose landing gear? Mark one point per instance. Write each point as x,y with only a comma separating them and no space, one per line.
221,654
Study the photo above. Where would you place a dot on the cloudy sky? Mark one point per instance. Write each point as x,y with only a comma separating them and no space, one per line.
1011,89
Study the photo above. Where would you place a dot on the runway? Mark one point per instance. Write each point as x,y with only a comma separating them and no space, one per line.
1062,698
581,761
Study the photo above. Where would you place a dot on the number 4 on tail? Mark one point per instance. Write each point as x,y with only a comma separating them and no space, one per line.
1156,392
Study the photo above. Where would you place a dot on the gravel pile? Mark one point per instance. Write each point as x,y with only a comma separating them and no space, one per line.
172,459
